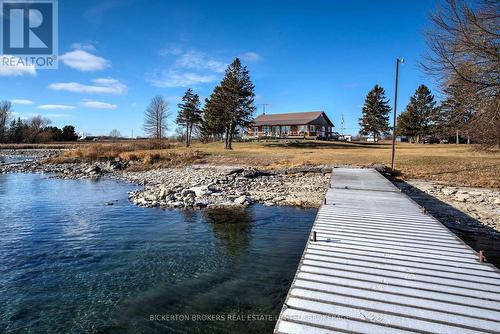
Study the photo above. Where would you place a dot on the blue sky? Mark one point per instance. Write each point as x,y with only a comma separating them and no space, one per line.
115,55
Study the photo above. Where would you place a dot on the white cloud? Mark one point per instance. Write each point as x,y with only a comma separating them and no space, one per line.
172,50
55,107
83,46
21,101
18,69
98,105
250,56
84,61
185,79
189,68
195,60
55,115
100,86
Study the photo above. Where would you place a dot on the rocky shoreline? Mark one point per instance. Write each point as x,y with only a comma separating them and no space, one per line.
467,209
199,186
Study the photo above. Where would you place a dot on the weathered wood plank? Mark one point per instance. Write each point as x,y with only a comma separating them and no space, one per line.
381,264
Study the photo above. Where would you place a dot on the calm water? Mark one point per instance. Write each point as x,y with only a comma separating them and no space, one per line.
70,264
14,158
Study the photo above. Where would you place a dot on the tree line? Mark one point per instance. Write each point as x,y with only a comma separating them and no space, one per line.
225,113
422,117
465,57
36,129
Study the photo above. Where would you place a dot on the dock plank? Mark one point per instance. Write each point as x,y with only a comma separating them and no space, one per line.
381,264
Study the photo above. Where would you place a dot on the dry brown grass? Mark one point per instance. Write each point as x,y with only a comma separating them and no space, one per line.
450,164
148,153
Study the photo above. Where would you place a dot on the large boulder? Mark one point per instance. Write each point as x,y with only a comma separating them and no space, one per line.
243,200
201,191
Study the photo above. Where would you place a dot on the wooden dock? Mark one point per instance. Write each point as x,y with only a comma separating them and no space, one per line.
381,264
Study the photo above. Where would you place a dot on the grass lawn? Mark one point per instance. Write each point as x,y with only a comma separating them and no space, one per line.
452,164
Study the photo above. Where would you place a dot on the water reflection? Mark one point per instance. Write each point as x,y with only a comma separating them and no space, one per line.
70,264
232,226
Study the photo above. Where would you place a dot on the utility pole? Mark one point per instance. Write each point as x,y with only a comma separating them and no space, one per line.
342,124
398,61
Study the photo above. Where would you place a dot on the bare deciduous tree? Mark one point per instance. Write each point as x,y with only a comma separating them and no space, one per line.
155,123
465,50
465,41
115,133
36,125
5,111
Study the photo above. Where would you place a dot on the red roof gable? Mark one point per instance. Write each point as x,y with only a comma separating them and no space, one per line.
295,118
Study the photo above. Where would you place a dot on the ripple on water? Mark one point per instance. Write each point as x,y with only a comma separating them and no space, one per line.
69,263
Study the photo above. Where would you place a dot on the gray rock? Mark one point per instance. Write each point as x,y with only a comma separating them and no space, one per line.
187,192
93,169
243,200
252,173
235,171
201,191
448,191
176,204
461,197
164,192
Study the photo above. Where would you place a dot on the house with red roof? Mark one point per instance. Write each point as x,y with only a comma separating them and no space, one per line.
307,125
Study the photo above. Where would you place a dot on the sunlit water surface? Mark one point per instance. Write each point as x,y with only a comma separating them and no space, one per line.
71,264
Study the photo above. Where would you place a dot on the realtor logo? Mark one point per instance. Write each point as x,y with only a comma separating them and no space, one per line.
29,33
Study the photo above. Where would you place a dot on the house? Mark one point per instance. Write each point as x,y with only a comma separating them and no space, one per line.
311,124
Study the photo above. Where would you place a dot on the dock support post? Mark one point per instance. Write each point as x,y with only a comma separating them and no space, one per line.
482,258
314,236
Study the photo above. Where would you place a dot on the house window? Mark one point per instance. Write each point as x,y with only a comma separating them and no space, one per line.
302,128
276,129
312,128
255,129
285,129
265,128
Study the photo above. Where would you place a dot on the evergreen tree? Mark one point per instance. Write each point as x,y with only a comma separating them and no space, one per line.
5,112
237,94
420,116
68,133
189,115
214,122
16,129
375,118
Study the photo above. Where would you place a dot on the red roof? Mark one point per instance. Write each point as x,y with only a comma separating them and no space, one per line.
294,118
